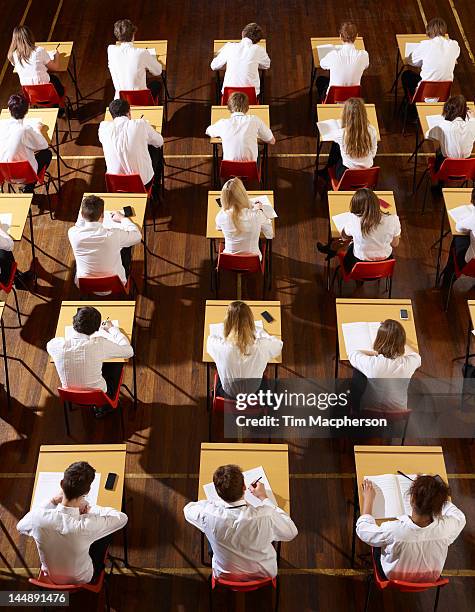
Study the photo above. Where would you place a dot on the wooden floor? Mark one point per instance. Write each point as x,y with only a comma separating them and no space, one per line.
164,435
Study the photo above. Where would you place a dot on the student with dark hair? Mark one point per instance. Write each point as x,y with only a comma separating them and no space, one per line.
463,244
71,536
240,534
413,548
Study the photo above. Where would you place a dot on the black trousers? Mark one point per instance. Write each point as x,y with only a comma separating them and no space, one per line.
43,159
126,258
335,160
155,89
111,373
377,560
97,552
350,259
460,244
410,80
156,156
56,83
321,84
220,392
359,382
6,262
439,158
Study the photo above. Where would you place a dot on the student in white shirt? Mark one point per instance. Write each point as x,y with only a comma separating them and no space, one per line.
346,63
131,146
240,535
7,260
71,536
436,57
239,134
241,220
243,59
129,65
22,141
242,353
413,548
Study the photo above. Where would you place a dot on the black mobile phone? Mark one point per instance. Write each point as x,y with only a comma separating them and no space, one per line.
128,211
110,482
218,201
267,316
403,313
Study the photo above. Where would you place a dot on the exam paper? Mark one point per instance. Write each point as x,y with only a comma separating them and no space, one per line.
6,219
267,207
69,331
360,336
328,128
460,212
48,486
341,220
217,329
324,50
249,477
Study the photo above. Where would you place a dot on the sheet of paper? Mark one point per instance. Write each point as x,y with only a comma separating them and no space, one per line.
6,219
360,335
69,330
434,120
388,502
48,486
267,207
108,222
410,47
324,50
217,329
328,128
459,212
249,476
341,220
152,51
404,486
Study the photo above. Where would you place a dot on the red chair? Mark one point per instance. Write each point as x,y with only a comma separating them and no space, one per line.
427,90
132,183
245,170
241,263
467,270
339,94
244,586
249,91
10,286
402,585
354,179
112,285
393,416
139,97
451,171
46,96
366,271
21,172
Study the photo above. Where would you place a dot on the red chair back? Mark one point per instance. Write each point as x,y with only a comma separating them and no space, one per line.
44,95
367,270
246,170
44,582
85,397
103,284
9,286
355,179
439,90
139,97
249,91
124,183
338,94
454,170
248,263
243,586
467,270
19,172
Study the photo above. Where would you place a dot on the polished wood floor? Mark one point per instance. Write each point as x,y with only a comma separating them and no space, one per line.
164,435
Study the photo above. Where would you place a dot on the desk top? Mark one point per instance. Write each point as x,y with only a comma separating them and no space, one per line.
213,210
152,114
452,199
219,43
65,51
471,309
104,458
334,111
358,310
426,109
403,39
2,306
330,40
116,201
339,202
18,204
47,116
222,112
274,458
160,46
215,312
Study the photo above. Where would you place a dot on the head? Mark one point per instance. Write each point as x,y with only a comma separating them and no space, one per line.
18,106
119,108
229,483
87,320
77,480
239,326
428,495
456,106
23,42
234,199
436,27
354,120
390,339
348,32
124,30
238,102
253,31
365,204
92,208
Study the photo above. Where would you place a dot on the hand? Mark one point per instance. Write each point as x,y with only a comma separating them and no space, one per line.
84,507
258,491
106,325
57,499
117,216
257,205
369,493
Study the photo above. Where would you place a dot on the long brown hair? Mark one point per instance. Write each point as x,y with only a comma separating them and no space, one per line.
390,339
234,199
365,204
23,42
456,106
239,326
354,120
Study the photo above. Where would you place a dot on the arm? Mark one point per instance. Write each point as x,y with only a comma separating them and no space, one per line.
455,520
264,59
366,526
53,65
265,133
272,345
34,139
152,64
417,56
366,57
194,514
55,346
266,226
221,59
27,523
397,232
154,138
103,521
214,131
115,345
282,525
327,62
6,241
374,142
361,360
128,233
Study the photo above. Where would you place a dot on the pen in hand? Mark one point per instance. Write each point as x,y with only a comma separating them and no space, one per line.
405,475
254,484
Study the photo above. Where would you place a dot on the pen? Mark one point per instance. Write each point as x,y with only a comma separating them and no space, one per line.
57,46
141,116
253,484
405,475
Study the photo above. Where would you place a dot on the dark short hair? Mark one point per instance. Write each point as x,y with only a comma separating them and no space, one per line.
124,30
87,320
92,208
436,27
18,106
253,31
77,479
456,106
348,32
229,482
119,108
429,494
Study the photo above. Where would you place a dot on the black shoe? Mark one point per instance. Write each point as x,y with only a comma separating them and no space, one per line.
326,249
102,411
28,189
61,112
23,278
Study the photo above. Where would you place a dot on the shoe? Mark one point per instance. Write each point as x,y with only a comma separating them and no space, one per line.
102,411
28,189
23,278
326,249
61,112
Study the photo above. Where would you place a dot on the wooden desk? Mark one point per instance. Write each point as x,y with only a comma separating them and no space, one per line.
471,325
274,458
18,205
402,40
152,114
47,116
65,51
335,111
331,40
452,199
219,43
339,202
213,210
5,357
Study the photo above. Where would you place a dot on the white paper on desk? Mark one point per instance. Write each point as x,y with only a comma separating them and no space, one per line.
341,220
108,222
33,122
392,495
152,51
324,50
48,486
328,128
249,477
217,329
360,336
69,331
434,120
267,207
6,219
409,48
460,212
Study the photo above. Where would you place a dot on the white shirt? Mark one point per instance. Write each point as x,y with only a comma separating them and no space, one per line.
97,249
242,61
240,373
346,65
252,222
455,137
376,245
79,359
357,162
388,379
63,537
239,136
241,537
467,225
125,142
6,241
19,140
437,57
410,552
128,66
34,71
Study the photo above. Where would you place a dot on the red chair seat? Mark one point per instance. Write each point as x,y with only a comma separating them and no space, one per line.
354,179
248,263
44,96
339,94
126,183
249,91
439,90
366,270
20,172
245,170
451,169
112,285
243,586
138,97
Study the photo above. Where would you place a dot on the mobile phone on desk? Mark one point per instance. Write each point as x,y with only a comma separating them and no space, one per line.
111,480
128,211
218,202
404,314
266,315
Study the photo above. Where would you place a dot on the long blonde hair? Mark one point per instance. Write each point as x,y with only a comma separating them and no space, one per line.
239,326
355,123
23,42
365,204
390,339
234,198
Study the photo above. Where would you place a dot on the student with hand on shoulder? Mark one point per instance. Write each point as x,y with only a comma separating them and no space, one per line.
240,534
464,244
243,59
72,537
413,548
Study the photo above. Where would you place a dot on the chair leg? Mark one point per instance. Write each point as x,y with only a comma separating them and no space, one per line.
277,595
404,121
122,427
403,439
368,593
436,603
390,286
17,306
449,292
106,591
66,418
239,285
210,594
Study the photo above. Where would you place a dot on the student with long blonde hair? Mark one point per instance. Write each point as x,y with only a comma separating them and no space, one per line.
242,352
241,220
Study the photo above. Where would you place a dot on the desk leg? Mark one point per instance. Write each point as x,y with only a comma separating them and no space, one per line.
211,262
125,533
415,159
145,254
276,371
328,266
58,159
439,252
469,338
5,363
262,85
33,251
265,156
208,386
215,165
218,88
74,79
313,74
269,263
396,80
337,354
355,518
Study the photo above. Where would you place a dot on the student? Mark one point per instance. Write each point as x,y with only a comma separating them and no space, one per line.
239,133
128,64
413,548
241,220
100,251
72,537
20,141
131,146
242,353
455,133
345,63
381,376
7,260
239,534
436,57
243,60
